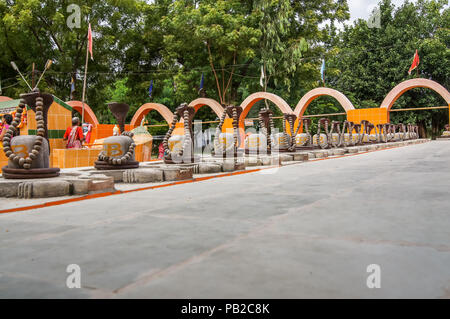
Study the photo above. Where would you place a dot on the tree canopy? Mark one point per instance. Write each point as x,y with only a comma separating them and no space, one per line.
174,42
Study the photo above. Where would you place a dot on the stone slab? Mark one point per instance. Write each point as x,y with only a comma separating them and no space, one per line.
143,175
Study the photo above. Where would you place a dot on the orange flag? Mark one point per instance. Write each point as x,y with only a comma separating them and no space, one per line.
415,63
90,41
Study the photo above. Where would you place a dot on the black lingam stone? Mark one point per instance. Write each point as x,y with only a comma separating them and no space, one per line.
303,141
285,141
260,143
28,155
120,111
118,151
221,149
185,153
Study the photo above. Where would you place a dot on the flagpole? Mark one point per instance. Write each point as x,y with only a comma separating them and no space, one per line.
84,82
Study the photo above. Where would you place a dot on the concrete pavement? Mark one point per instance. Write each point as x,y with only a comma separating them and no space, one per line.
302,231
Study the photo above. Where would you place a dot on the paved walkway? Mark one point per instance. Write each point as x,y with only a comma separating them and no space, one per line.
307,230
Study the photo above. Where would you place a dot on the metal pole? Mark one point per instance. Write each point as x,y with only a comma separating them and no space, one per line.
84,84
32,75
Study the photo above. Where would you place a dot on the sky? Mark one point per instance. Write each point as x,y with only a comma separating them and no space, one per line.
361,9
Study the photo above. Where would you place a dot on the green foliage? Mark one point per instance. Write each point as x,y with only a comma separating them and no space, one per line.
174,42
369,62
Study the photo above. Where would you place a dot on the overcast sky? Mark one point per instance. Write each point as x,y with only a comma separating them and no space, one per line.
363,8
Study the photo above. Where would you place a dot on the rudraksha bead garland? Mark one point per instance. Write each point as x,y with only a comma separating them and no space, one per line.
187,133
381,133
336,125
235,129
265,130
346,126
272,130
306,126
168,134
263,127
357,128
37,145
325,124
125,158
217,145
362,131
290,139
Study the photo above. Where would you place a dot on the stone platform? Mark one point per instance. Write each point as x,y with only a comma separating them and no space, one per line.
55,187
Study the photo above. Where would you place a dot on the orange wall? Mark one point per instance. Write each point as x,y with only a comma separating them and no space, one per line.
105,130
68,158
373,115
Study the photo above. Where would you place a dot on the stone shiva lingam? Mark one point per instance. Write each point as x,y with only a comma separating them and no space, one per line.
285,141
29,154
382,133
118,151
303,141
347,134
368,137
226,144
179,149
322,139
260,143
335,134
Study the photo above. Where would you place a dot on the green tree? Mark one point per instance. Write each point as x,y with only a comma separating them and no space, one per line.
371,61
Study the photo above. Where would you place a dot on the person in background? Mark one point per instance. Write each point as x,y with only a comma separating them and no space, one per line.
116,130
6,122
161,151
87,131
74,135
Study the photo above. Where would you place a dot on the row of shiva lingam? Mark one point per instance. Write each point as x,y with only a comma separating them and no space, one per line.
179,148
28,156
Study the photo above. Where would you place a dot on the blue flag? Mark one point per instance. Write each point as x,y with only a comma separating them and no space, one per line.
202,82
72,88
322,70
150,89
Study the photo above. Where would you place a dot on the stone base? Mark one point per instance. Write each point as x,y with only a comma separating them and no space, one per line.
32,173
257,152
239,153
339,151
190,160
306,148
231,166
143,175
172,174
56,187
101,165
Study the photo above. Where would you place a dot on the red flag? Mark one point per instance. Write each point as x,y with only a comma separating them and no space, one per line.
90,41
415,63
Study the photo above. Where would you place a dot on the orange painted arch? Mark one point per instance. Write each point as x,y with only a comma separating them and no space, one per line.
401,88
306,100
89,115
147,107
248,103
4,98
213,104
